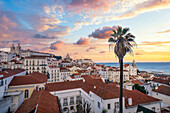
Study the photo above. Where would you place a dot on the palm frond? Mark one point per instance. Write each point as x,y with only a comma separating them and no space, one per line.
112,40
119,30
129,35
125,30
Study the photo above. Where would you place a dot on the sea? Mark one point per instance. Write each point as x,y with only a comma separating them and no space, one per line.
147,66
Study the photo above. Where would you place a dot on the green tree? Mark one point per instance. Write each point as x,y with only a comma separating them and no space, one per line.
122,43
139,88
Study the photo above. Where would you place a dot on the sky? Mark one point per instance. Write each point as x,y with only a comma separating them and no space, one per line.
82,27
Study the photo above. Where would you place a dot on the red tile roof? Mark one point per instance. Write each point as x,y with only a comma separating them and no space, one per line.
34,78
65,62
47,103
137,82
63,69
159,80
36,57
11,72
126,65
163,89
103,90
138,98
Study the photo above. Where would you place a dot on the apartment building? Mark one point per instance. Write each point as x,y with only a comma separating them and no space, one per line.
36,64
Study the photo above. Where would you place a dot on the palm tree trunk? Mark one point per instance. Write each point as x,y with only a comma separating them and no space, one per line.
121,87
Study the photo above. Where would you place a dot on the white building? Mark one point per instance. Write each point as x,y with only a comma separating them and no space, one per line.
163,93
36,64
56,74
65,63
159,81
114,75
104,73
7,76
5,56
13,64
132,69
99,96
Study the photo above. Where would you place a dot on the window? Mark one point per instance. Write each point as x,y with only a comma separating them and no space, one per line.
78,100
5,82
71,100
98,105
108,106
1,82
26,93
153,108
116,104
65,103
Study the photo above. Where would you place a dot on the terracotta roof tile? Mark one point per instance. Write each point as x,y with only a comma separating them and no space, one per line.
101,89
138,98
11,72
47,103
163,89
159,80
126,65
137,82
33,78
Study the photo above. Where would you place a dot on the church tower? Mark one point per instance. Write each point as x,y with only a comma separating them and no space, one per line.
67,58
18,49
12,49
134,63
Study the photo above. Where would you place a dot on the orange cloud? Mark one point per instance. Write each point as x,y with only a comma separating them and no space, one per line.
103,33
146,6
83,41
166,31
155,43
56,45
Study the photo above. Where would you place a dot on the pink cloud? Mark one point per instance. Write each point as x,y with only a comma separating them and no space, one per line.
146,6
83,41
103,33
89,5
138,54
102,52
87,50
56,45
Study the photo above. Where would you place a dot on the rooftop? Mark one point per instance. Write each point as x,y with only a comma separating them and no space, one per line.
46,102
163,89
103,90
137,82
11,72
33,78
159,80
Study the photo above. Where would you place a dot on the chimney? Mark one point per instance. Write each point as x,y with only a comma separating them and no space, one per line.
129,101
94,87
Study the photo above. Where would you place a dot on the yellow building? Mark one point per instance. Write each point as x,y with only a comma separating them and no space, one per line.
27,83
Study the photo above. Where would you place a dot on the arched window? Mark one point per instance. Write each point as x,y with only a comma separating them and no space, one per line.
26,93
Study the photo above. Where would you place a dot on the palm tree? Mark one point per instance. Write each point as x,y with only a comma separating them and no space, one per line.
121,42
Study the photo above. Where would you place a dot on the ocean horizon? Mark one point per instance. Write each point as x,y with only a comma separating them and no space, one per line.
145,66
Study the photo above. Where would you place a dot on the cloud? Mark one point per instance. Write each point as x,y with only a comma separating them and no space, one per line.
87,50
146,6
43,36
166,31
83,41
138,53
155,43
102,52
87,6
67,39
103,33
56,45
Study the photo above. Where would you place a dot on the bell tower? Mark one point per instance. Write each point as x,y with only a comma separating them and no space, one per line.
12,49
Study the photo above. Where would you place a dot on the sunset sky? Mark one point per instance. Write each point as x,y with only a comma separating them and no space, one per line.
82,27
